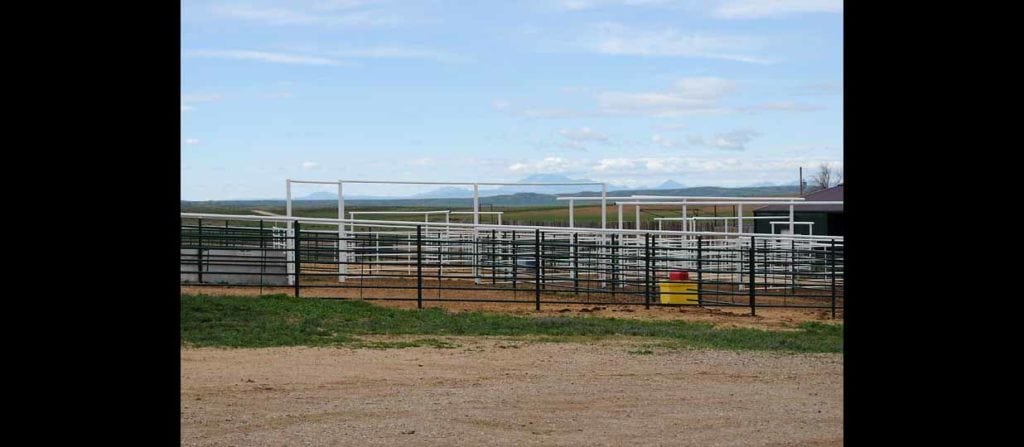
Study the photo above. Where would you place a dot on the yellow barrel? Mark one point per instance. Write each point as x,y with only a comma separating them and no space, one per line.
678,292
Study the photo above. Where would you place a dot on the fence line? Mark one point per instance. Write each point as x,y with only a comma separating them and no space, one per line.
422,262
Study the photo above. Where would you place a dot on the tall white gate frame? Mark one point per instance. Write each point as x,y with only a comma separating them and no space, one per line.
343,255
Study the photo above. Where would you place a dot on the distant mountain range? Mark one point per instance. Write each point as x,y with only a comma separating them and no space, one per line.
670,184
516,199
456,192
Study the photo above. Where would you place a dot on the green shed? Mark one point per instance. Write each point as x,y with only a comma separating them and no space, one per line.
826,219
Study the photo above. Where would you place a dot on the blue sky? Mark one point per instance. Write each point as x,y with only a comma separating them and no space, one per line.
632,92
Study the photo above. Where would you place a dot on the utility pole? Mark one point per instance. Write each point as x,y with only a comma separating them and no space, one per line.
801,181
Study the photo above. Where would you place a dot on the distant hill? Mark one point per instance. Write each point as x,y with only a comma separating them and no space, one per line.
319,195
516,199
445,192
670,184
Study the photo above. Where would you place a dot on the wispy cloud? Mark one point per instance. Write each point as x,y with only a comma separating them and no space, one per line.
399,52
310,165
583,5
343,14
552,113
201,97
782,106
264,56
688,95
755,9
188,99
549,165
423,161
735,140
646,166
191,141
620,40
580,138
665,142
819,88
500,105
582,134
669,126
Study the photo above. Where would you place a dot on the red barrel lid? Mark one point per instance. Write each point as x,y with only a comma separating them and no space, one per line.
679,275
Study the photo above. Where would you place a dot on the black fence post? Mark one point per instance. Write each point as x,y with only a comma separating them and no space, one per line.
298,253
576,263
494,259
515,263
647,270
615,262
263,257
199,252
700,271
832,265
540,266
764,262
419,267
753,296
537,260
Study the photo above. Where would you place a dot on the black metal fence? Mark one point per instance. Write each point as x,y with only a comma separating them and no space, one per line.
438,263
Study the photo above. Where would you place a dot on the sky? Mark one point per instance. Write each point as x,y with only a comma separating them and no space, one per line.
630,92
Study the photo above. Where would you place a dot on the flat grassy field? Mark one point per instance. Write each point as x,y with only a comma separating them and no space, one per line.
250,322
585,216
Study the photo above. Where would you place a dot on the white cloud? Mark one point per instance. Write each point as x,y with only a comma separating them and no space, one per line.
580,138
617,165
642,166
279,95
186,108
583,134
820,88
734,140
424,161
309,165
689,95
549,165
582,5
399,52
618,39
318,13
551,113
665,142
783,107
753,9
263,56
191,141
500,104
669,126
201,97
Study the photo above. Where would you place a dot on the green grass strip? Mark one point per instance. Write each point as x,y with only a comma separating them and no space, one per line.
268,321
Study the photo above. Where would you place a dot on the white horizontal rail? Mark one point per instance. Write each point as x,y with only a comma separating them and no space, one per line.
400,212
716,198
823,202
724,218
547,229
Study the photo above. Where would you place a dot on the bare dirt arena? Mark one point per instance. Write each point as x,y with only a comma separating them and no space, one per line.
494,391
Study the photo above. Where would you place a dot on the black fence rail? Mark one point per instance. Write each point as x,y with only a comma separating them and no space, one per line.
437,263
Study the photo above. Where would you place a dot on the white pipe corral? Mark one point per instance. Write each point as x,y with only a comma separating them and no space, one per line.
791,215
739,218
342,243
604,206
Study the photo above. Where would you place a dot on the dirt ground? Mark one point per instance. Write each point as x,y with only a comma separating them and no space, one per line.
493,391
775,318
